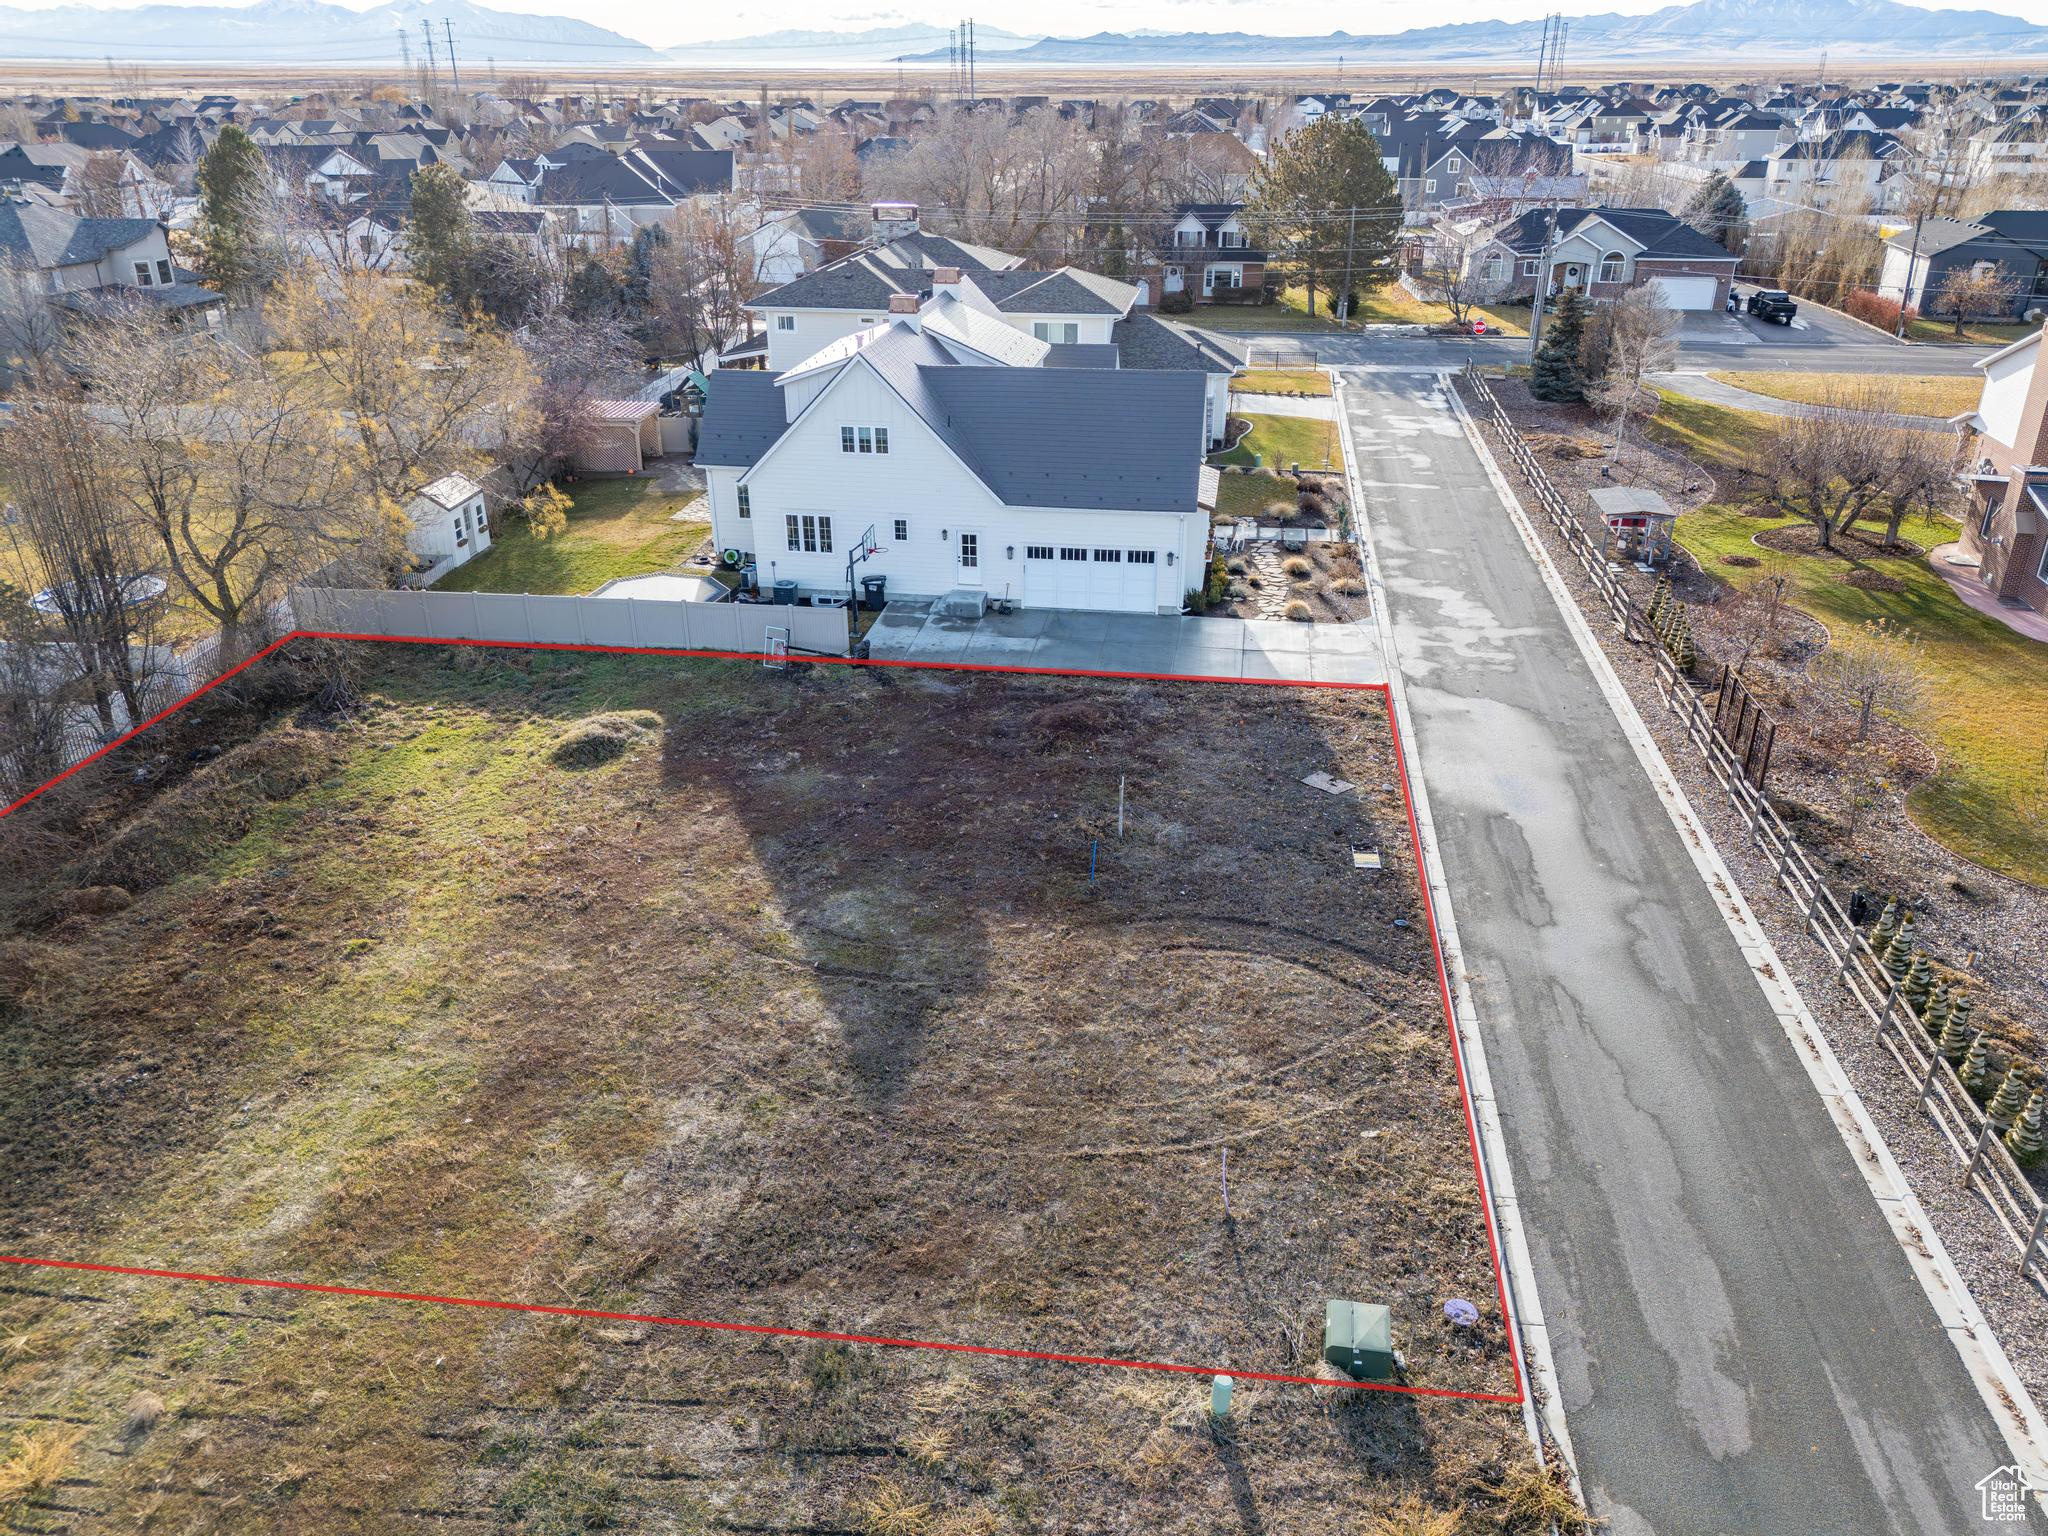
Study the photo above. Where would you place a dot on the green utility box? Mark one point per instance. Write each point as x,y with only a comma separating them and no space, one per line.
1358,1339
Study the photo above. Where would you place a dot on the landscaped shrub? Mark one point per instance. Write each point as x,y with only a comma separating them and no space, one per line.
1181,303
1954,1043
1219,578
2011,1098
1875,309
1299,611
1297,567
1349,586
2026,1140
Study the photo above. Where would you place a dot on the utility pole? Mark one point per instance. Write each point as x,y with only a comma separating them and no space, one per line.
970,59
1912,261
1350,243
1542,284
448,31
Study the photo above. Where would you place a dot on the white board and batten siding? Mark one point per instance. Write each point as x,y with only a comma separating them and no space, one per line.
442,538
938,526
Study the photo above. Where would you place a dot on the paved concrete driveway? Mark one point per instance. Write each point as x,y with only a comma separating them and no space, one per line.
1741,1348
1116,642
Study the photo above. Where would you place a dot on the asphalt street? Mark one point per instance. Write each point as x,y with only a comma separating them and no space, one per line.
1818,341
1741,1348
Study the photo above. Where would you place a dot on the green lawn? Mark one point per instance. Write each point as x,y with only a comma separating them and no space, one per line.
1282,381
1284,440
616,528
1249,495
1989,721
1236,319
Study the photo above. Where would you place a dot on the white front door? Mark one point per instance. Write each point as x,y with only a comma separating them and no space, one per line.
967,557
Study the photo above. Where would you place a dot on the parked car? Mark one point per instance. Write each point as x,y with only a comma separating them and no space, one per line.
1773,304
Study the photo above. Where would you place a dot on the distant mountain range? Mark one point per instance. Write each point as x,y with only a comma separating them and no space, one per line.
877,45
1779,37
309,31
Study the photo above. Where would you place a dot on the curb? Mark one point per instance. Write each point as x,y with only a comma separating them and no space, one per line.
1518,1274
2012,1408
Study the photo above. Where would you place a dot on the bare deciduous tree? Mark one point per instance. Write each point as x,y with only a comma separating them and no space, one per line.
1985,291
572,364
1850,456
1449,276
984,176
1877,670
1640,337
699,281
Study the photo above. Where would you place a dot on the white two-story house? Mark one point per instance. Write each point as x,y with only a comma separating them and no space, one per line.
958,449
84,262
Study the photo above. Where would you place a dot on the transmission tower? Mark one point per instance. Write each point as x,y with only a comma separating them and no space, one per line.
454,70
433,70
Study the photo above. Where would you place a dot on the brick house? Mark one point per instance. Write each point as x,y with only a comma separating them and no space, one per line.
2006,530
1604,252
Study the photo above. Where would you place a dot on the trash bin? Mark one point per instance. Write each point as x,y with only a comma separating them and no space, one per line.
785,593
874,592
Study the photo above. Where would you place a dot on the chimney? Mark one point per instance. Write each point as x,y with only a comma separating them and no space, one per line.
893,221
902,304
945,280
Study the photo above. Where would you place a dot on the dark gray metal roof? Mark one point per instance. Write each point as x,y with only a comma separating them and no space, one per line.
743,416
1064,292
853,282
1081,354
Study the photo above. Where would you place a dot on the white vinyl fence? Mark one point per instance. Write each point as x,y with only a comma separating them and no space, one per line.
630,622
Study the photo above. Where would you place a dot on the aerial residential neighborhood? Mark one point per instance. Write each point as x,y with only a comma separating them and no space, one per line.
808,773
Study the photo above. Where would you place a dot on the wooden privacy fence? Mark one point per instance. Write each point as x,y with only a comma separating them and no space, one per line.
629,623
1988,1167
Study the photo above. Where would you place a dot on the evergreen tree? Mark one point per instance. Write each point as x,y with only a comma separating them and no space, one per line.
1679,641
1977,1071
1954,1043
1717,211
1918,981
1555,373
1660,601
1898,960
2028,1137
2006,1104
1935,1014
1326,207
440,230
230,180
1887,924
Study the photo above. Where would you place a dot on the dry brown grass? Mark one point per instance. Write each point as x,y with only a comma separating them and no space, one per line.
33,1465
810,1017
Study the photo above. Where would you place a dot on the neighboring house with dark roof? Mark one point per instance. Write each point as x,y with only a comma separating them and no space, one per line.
2006,531
87,262
601,199
1053,486
1604,252
800,240
1207,252
2016,239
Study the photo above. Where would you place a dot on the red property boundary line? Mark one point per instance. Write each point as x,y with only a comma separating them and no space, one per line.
761,1329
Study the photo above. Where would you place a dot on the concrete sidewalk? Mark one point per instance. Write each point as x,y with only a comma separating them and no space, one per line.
1166,644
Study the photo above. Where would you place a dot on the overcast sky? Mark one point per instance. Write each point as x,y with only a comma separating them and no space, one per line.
664,26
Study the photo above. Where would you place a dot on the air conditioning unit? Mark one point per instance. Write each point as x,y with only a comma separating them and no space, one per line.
828,600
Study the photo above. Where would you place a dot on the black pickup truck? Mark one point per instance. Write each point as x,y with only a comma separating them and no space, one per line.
1773,304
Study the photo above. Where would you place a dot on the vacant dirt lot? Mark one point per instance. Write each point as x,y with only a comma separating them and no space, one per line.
690,989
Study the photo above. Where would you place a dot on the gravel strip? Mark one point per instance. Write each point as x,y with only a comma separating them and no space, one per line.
1986,1258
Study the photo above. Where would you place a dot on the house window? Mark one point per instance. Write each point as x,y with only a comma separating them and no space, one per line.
846,439
1610,267
1429,186
461,530
1496,269
142,278
1037,551
163,273
867,439
807,534
1142,556
1990,516
863,439
902,530
746,496
2041,570
785,322
1064,332
881,439
1528,269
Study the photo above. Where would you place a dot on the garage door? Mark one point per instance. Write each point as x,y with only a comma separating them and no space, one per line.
1688,292
1093,576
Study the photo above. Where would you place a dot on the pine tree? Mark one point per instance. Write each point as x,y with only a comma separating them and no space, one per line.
440,230
1919,979
1660,603
2026,1140
1679,641
1977,1073
1959,1010
1954,1043
2006,1104
230,182
1555,373
1887,924
1324,205
1717,211
1898,960
1935,1015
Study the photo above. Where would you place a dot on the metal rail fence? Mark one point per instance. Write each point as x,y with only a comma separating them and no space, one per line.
1988,1167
